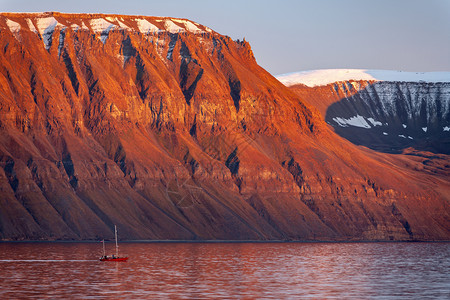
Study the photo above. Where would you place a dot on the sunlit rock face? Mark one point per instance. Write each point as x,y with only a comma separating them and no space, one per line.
172,131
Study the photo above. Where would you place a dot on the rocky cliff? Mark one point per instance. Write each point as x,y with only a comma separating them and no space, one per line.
172,131
388,116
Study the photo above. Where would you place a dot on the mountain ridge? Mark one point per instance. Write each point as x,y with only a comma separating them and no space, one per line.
68,18
322,77
182,136
403,113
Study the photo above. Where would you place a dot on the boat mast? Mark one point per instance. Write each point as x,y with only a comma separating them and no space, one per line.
117,246
104,251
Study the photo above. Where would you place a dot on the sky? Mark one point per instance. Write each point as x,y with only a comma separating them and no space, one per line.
297,35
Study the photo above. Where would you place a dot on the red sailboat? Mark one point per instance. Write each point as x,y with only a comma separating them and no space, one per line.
113,257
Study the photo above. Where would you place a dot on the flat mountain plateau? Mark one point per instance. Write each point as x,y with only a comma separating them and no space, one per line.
172,131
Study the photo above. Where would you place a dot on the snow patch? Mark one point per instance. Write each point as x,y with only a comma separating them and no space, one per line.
122,25
46,27
13,26
111,19
207,29
191,27
446,128
385,133
374,122
101,26
171,27
410,137
62,35
425,129
324,77
170,51
402,136
146,27
357,121
404,125
83,26
31,26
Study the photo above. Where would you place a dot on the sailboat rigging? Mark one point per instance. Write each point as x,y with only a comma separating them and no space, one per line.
114,257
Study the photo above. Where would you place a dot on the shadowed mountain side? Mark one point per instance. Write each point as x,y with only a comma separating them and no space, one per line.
354,110
386,116
173,132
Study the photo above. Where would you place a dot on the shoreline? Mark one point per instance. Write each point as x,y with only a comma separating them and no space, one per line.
227,241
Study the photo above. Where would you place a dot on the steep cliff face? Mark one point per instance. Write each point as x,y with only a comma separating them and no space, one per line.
398,116
387,111
392,116
172,131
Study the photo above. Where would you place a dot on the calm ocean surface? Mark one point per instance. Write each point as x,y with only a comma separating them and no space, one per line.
227,271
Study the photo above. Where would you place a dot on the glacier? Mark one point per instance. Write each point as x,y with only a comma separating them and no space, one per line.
314,78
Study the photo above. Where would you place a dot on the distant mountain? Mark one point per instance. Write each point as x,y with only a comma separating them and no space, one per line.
172,131
327,76
387,111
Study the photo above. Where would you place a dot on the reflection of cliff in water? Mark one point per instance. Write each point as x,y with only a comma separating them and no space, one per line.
392,116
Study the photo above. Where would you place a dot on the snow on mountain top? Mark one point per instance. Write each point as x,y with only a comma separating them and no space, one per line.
190,26
31,26
145,26
13,26
47,24
100,23
324,77
171,27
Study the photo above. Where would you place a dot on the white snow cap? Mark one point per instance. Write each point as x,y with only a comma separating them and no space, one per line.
145,26
31,25
13,26
100,25
171,27
324,77
46,26
191,27
46,23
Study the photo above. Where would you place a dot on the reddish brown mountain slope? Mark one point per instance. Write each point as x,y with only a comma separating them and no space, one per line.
172,131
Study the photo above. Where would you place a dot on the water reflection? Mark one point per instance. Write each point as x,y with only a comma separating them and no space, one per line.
227,270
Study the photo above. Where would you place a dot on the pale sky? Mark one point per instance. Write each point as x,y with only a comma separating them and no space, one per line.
289,36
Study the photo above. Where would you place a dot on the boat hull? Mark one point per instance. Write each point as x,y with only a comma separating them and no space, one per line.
114,259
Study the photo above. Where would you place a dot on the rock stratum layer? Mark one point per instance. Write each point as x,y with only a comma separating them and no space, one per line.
172,131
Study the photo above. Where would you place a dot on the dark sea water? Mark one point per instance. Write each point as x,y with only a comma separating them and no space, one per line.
227,271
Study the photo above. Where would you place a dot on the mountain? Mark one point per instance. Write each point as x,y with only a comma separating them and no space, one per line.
387,111
315,78
173,131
